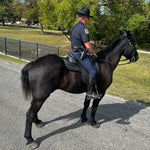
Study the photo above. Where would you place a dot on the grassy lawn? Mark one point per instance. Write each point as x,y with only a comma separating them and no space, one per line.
131,81
13,60
34,35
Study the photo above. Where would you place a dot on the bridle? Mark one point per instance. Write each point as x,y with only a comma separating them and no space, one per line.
108,62
131,59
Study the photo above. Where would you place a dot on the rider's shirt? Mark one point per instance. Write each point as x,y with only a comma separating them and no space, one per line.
79,35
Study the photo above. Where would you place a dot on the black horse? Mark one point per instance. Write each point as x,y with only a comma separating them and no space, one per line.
46,74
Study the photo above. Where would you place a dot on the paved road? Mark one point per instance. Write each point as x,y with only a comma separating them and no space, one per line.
125,125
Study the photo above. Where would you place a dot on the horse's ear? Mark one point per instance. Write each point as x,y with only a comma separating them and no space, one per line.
128,33
130,37
121,32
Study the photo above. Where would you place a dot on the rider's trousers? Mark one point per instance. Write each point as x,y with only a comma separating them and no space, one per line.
86,63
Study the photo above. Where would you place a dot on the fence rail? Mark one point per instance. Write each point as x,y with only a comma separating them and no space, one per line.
25,50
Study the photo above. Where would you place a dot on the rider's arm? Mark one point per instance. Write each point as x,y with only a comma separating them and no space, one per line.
89,48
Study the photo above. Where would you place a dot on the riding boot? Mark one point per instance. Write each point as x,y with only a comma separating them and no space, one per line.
90,89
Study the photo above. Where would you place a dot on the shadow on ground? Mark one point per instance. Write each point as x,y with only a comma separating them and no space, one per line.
121,112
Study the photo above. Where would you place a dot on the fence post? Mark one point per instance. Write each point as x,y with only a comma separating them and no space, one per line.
5,45
58,51
37,51
19,49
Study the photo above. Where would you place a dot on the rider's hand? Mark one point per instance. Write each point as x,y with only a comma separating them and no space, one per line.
94,54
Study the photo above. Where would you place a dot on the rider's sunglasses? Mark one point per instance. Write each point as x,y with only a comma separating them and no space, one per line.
87,17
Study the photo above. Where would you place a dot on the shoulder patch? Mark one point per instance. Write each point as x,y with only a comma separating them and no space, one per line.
86,31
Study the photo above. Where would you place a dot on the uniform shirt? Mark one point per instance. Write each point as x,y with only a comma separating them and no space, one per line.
79,35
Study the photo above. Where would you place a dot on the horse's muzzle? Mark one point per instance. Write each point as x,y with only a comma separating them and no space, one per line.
134,58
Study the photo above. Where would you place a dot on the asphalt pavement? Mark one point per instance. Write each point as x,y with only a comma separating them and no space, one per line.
124,125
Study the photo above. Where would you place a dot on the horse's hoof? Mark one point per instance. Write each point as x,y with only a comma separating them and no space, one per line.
85,123
32,145
40,125
95,125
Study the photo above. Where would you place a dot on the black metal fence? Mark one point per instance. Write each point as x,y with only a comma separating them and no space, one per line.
25,50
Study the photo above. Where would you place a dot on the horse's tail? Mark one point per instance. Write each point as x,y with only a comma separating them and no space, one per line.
25,81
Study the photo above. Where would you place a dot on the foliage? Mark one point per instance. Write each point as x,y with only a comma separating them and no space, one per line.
47,12
66,13
31,11
5,10
117,14
140,28
147,12
61,14
17,9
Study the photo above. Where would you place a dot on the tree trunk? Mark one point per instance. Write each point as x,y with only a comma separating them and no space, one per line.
42,31
28,23
3,22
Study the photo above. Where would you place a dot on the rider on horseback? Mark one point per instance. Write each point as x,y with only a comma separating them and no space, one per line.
81,45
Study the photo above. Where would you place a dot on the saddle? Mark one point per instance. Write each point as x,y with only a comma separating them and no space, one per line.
72,64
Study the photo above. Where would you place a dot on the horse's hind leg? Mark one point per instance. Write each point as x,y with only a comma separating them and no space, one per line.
31,116
38,122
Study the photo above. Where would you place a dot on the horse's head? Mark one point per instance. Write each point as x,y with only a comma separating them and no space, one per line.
129,50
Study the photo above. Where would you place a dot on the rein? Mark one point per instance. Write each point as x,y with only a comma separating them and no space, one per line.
108,62
126,59
125,63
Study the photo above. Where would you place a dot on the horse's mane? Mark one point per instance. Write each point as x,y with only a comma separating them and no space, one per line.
107,49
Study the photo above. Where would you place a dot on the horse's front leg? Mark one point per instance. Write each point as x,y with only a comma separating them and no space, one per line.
86,105
93,122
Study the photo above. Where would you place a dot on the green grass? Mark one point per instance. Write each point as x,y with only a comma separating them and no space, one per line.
13,60
131,81
50,37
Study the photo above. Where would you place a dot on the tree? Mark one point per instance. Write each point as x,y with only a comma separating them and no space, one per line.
66,13
47,12
5,10
67,9
18,9
140,25
147,12
31,11
61,13
115,14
